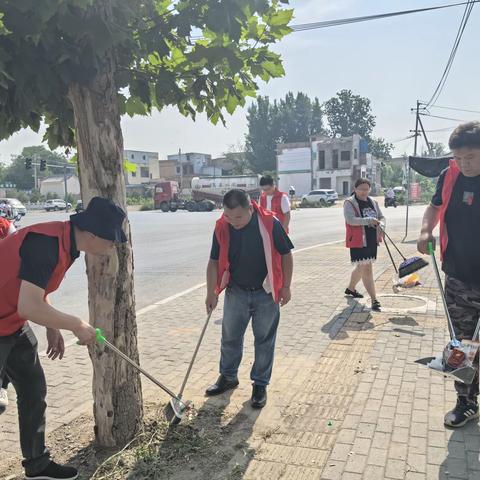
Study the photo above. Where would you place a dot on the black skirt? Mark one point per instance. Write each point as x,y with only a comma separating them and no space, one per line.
366,254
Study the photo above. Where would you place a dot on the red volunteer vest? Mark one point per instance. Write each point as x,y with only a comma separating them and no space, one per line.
10,262
449,182
276,204
355,234
272,258
4,227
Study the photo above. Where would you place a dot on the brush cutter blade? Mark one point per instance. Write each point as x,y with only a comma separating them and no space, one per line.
175,410
411,265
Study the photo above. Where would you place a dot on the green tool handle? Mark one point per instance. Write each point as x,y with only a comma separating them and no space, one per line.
431,250
102,340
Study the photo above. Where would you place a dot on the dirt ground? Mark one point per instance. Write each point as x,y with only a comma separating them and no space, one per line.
209,444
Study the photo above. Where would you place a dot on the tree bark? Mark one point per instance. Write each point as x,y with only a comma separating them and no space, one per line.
118,407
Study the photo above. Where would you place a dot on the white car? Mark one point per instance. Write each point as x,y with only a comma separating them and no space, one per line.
15,204
320,197
56,204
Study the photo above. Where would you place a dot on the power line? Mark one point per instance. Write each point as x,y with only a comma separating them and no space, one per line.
456,43
443,118
455,108
345,21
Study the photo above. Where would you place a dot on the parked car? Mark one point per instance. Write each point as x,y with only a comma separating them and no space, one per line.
79,208
320,197
15,204
56,204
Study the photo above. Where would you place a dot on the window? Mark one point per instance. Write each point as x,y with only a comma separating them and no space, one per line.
134,174
178,170
335,159
132,156
355,154
321,160
158,190
345,156
144,157
144,173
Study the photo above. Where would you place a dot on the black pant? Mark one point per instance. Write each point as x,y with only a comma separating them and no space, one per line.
19,360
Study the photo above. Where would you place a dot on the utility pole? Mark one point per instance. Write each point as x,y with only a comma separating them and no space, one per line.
35,177
181,167
65,184
407,167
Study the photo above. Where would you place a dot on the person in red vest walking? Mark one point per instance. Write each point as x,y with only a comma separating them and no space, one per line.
274,200
362,218
33,262
251,258
6,228
456,206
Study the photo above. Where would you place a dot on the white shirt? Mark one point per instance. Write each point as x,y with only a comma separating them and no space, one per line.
285,204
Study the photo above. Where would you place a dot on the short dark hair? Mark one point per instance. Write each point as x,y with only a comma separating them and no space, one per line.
236,198
466,135
266,180
361,181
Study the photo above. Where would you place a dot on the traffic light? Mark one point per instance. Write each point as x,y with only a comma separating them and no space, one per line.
43,165
28,163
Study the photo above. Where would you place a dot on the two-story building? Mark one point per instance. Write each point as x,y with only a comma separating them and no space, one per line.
147,167
327,163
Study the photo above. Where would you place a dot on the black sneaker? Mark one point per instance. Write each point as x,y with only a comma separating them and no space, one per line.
55,472
463,412
259,396
221,385
376,306
353,293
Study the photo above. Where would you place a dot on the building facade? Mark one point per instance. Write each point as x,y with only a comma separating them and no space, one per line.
147,167
327,163
56,186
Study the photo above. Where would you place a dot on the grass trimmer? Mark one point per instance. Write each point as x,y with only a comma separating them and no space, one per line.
179,407
409,265
457,359
173,406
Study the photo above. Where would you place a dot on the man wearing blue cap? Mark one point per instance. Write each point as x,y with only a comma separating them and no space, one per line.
34,262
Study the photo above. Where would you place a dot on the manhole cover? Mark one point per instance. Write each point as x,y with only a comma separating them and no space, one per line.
403,302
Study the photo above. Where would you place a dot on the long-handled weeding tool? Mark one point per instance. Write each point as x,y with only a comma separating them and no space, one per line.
179,407
457,359
173,406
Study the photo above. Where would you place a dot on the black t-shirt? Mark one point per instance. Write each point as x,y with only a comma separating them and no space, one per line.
462,258
246,254
39,257
367,210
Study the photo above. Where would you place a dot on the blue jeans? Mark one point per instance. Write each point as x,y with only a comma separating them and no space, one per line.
240,306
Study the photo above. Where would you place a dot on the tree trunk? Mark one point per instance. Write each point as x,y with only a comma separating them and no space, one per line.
117,393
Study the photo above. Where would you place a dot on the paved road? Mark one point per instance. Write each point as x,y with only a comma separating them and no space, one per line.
171,250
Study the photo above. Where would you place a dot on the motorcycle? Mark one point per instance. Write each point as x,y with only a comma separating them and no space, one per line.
390,202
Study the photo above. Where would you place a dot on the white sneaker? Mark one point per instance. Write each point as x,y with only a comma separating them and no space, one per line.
3,398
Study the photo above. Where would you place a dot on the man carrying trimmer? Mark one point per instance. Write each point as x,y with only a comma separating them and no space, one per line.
250,257
33,263
456,206
274,200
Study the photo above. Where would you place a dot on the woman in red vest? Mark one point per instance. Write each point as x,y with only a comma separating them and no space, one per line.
251,258
6,228
362,218
456,207
274,200
34,261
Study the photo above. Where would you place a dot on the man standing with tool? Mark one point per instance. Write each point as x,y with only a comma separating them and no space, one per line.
274,200
250,257
33,262
456,206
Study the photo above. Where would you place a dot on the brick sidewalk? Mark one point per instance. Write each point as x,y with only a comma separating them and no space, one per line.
346,400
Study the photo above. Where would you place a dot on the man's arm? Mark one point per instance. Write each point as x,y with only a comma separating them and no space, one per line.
32,306
212,298
286,221
287,270
429,222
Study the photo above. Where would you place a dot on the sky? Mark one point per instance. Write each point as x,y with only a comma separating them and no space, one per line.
393,62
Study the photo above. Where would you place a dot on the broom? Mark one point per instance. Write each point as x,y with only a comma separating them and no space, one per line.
409,265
